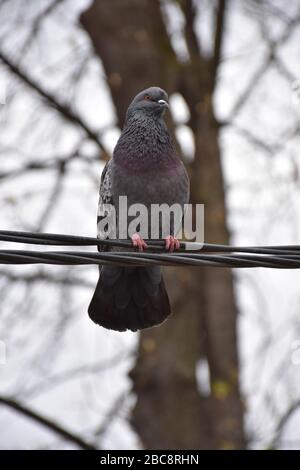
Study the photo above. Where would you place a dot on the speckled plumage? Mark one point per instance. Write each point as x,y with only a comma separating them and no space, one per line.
146,168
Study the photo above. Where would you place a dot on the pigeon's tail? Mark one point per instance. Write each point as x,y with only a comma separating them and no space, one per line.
129,298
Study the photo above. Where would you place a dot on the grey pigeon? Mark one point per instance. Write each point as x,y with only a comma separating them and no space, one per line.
146,168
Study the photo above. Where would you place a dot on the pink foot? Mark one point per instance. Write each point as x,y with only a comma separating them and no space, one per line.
138,242
172,243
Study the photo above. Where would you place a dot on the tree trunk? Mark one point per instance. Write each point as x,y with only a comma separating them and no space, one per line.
171,412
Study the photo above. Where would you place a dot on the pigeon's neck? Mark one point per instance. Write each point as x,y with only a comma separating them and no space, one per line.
146,144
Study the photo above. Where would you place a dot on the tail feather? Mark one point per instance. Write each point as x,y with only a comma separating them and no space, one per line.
129,298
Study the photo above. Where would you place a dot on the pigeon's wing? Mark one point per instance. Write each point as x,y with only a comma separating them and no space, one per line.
106,204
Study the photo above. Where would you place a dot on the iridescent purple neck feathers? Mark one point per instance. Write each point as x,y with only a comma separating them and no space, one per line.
145,144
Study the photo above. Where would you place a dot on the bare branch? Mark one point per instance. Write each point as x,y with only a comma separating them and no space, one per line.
112,413
41,276
289,29
271,149
50,164
191,38
75,372
283,69
46,422
63,109
282,422
254,139
249,88
53,198
220,24
37,24
271,57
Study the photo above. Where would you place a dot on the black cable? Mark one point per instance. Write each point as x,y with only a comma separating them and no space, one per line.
72,240
281,257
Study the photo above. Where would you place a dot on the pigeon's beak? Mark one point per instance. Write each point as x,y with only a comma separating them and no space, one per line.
163,103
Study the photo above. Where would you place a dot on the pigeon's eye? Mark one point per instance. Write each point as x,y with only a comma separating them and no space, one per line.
147,97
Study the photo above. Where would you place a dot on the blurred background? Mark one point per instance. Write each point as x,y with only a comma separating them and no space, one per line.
224,371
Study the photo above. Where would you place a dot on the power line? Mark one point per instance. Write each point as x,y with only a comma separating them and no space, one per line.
189,254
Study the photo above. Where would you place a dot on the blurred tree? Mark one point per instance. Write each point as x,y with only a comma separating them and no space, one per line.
133,44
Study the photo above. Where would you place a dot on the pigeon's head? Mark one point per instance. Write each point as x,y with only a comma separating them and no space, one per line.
153,101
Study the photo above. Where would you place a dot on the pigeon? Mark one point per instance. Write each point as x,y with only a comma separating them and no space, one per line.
145,167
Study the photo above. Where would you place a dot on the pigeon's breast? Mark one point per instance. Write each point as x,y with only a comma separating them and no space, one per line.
166,186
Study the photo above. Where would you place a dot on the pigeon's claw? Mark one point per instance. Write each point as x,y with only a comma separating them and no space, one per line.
172,243
138,242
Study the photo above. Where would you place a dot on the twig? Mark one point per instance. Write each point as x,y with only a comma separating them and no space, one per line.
46,422
62,108
219,35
